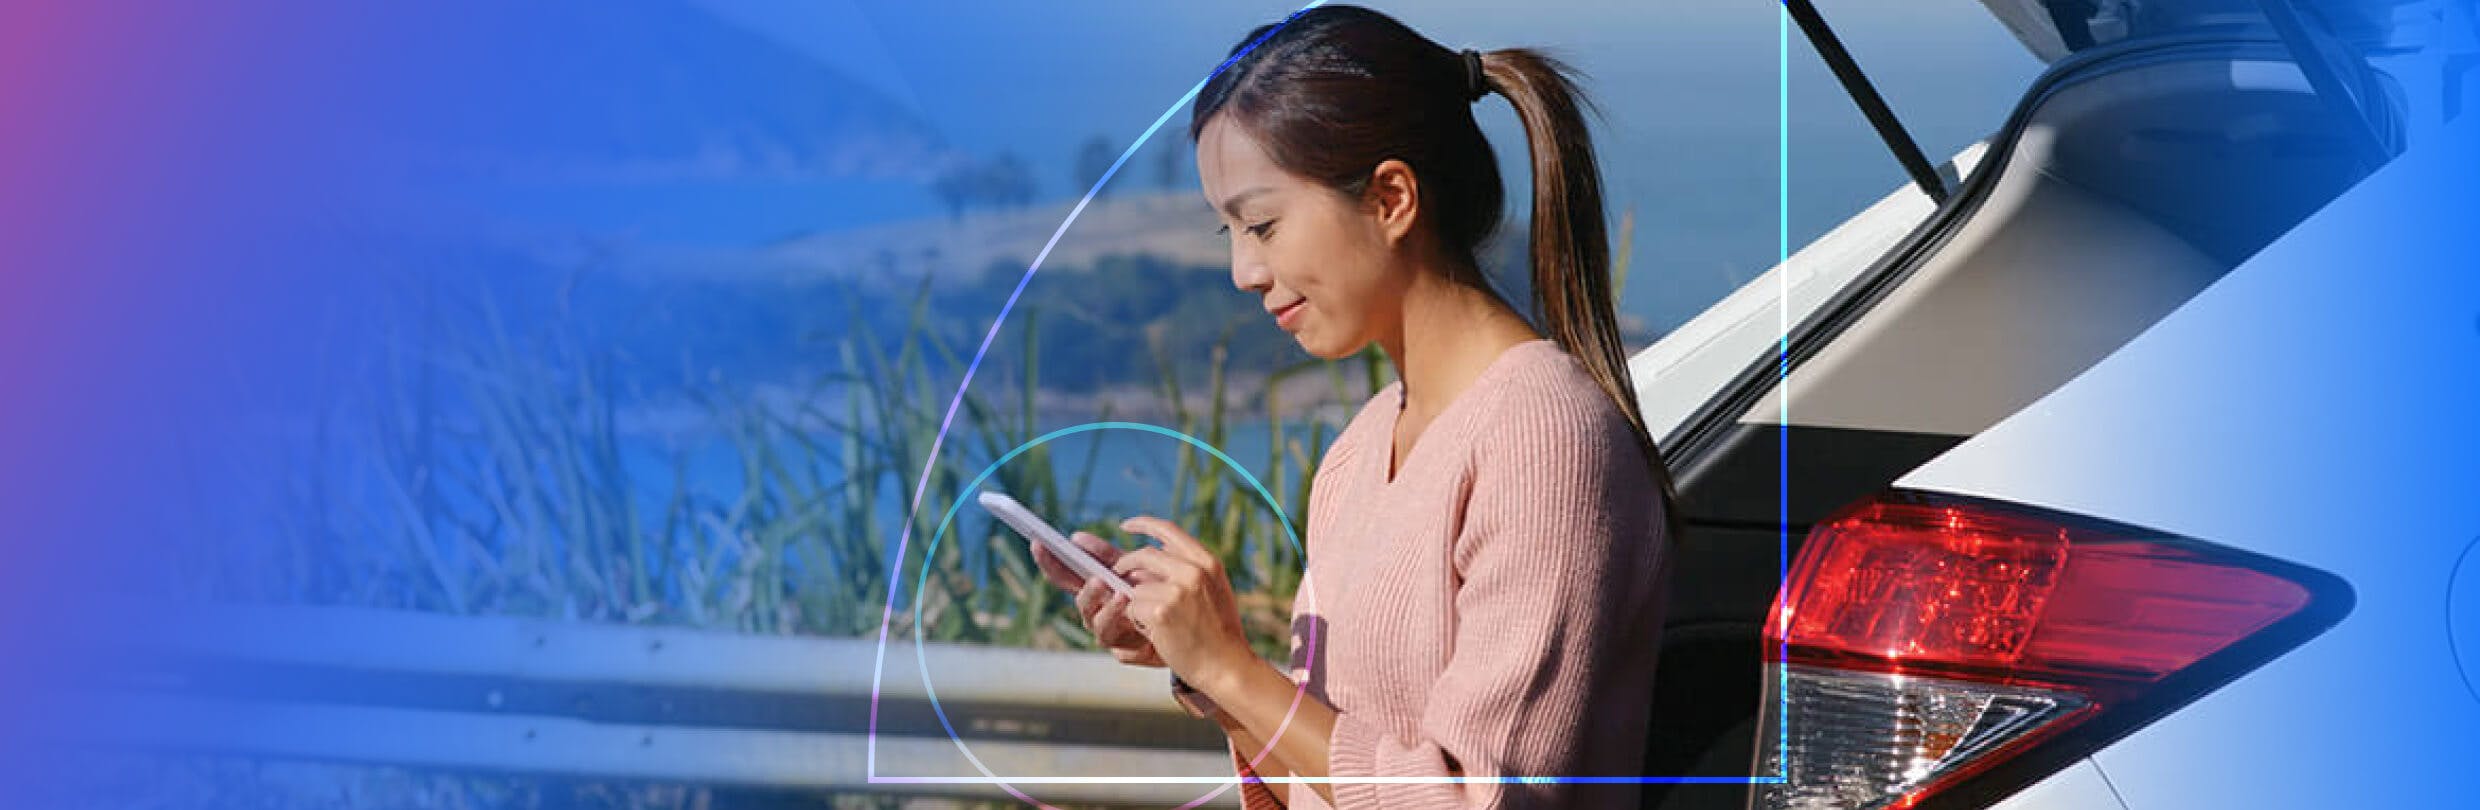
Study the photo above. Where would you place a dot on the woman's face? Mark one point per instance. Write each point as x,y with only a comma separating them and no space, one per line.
1319,261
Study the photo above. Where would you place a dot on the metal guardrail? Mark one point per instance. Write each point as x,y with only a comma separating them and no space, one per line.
638,703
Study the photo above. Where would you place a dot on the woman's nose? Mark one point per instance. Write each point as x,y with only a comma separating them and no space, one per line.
1248,274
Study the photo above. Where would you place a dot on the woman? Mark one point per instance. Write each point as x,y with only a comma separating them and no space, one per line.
1487,539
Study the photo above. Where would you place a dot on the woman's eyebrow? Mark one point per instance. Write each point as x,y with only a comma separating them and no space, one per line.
1231,204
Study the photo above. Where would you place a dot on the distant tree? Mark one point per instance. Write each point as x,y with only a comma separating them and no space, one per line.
1008,182
1093,160
1002,182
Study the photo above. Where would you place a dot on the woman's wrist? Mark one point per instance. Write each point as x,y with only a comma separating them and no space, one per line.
1223,681
1193,701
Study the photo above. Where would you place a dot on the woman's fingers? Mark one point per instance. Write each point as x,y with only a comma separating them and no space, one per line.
1151,565
1146,603
1142,657
1053,569
1174,539
1115,620
1057,571
1090,600
1113,628
1100,548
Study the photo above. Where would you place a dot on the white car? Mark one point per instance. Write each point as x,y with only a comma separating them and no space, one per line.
2136,470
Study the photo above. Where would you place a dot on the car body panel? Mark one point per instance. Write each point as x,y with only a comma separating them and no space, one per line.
1688,365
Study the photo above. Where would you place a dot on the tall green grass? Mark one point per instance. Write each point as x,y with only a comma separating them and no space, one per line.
487,469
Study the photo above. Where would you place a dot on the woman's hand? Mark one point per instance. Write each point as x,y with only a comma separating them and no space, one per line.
1105,612
1183,601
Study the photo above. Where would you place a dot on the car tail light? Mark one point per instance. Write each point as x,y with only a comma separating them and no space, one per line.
1947,651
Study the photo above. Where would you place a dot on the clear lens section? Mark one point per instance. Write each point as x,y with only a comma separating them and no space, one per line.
1866,740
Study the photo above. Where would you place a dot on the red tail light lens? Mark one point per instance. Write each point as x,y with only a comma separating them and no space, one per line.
1921,640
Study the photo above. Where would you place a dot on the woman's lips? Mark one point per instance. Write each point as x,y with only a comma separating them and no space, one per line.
1289,314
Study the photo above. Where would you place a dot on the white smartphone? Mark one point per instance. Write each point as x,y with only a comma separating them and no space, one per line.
1017,517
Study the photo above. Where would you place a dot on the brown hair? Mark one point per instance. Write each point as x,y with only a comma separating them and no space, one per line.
1335,90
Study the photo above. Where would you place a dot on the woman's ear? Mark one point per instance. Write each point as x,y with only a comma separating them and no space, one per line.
1394,197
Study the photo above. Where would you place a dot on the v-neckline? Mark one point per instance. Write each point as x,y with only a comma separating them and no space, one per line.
1395,466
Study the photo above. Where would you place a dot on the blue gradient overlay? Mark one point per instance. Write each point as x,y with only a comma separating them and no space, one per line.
212,216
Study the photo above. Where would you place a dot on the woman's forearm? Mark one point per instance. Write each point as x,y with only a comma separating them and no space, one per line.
1247,744
1259,699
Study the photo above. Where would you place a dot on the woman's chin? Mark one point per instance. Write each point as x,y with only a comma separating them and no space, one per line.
1324,350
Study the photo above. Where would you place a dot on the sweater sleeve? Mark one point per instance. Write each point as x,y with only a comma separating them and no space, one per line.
1548,564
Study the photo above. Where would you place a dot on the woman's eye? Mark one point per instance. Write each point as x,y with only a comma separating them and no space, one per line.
1260,230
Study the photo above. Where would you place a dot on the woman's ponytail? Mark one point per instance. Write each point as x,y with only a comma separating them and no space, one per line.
1570,244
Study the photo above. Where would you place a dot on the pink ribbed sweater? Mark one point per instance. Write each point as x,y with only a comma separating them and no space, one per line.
1495,609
